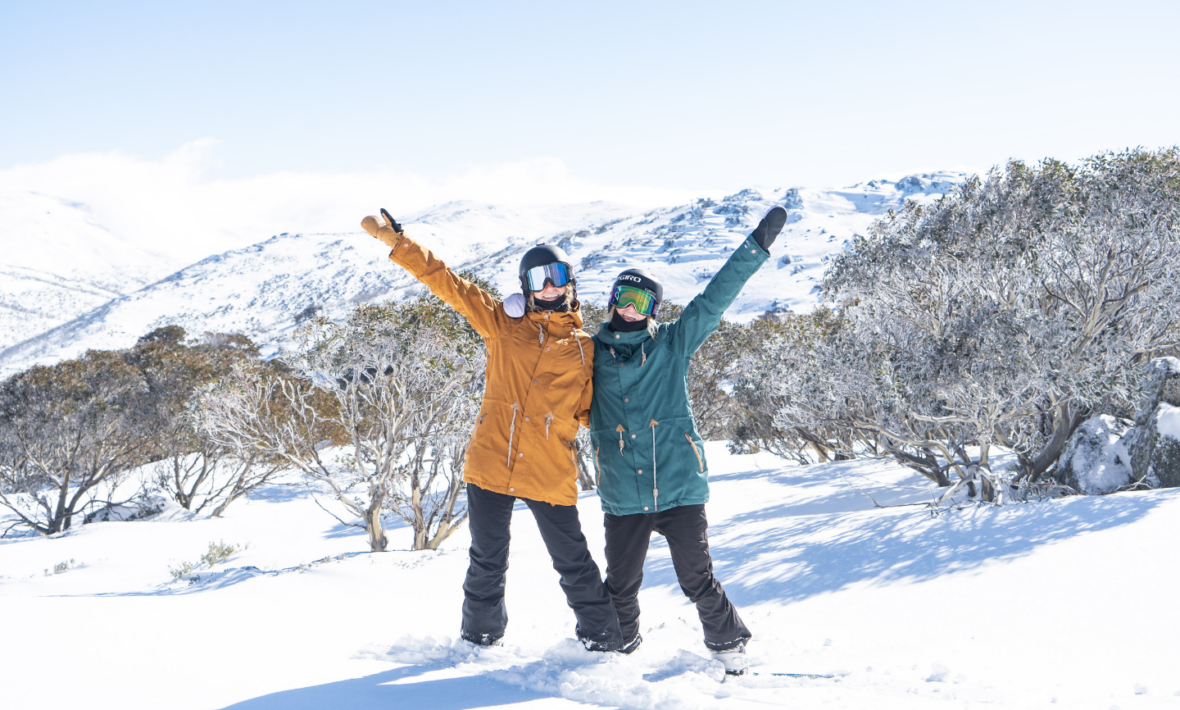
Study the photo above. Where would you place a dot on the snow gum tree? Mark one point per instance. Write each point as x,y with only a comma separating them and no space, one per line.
192,469
396,385
1004,314
68,432
785,395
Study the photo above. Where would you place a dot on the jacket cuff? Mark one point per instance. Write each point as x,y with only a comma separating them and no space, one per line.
402,254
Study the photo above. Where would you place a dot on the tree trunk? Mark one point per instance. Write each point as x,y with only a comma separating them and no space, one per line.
1067,420
818,444
377,539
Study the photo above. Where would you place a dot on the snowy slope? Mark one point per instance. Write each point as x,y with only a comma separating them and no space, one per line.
264,289
261,290
57,263
684,246
1066,604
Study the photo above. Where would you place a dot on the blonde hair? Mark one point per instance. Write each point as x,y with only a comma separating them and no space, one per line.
571,294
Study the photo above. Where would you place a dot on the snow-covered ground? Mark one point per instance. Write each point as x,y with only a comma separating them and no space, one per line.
1069,603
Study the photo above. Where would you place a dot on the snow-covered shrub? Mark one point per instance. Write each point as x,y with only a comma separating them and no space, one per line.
785,398
1155,456
397,385
68,433
181,569
219,552
1096,459
1006,313
188,466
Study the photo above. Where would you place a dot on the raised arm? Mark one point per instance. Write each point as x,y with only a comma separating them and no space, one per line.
479,307
703,314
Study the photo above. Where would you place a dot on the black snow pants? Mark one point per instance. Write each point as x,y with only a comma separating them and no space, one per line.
484,614
685,528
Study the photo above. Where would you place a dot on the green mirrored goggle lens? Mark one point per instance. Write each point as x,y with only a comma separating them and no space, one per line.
624,296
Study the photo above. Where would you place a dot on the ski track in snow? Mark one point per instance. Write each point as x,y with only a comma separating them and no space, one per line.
1067,603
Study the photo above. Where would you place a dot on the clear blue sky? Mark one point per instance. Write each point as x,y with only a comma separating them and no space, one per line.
673,94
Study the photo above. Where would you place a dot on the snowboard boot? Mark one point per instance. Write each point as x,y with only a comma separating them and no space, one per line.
631,645
767,230
734,659
481,640
599,644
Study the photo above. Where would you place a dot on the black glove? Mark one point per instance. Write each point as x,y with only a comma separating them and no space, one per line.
393,223
767,230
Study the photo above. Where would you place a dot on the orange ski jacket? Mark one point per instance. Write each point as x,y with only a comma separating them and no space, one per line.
539,383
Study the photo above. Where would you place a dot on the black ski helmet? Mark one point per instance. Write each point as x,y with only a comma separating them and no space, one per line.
541,255
639,278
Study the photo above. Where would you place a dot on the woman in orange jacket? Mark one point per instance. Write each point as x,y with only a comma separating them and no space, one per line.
538,391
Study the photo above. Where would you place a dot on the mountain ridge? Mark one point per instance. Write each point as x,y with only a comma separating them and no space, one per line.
261,290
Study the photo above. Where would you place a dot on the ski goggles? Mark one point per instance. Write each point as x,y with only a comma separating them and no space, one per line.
556,273
623,296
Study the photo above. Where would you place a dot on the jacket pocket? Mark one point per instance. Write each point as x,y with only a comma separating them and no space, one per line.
474,431
696,451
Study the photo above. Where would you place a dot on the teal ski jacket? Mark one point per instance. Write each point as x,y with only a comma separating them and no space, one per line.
647,452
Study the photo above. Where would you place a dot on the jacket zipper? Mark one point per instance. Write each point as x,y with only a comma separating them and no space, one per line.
655,484
512,432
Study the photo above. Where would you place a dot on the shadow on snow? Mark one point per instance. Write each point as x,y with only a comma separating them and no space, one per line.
793,551
376,691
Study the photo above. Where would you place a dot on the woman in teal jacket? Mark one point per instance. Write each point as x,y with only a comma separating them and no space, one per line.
652,473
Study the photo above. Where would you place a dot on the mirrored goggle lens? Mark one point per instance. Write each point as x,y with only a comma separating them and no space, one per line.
624,296
557,273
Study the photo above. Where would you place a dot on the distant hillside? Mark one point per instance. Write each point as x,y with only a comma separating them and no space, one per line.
58,263
264,290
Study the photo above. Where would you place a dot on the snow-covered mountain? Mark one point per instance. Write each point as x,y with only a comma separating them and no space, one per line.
684,246
265,289
58,263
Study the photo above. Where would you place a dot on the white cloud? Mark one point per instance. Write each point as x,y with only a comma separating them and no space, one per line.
172,206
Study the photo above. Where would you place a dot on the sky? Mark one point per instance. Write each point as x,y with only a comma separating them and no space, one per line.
648,102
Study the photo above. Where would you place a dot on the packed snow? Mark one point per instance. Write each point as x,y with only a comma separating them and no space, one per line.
1066,603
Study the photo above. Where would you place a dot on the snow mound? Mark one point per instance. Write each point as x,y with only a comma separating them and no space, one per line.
1097,459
